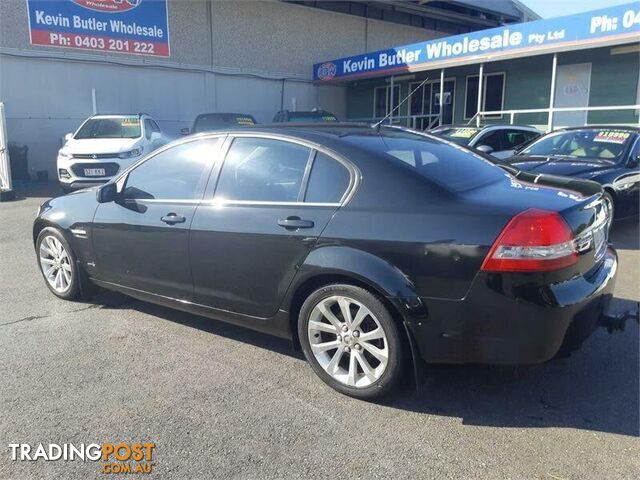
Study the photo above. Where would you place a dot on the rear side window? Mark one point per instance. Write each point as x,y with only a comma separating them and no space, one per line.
261,169
451,167
328,181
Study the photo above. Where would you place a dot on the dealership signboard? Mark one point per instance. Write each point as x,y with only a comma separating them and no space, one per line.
138,27
618,24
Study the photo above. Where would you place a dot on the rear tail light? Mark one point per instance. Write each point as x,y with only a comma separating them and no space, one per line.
533,241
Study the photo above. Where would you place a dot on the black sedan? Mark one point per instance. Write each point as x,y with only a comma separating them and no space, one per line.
371,248
607,155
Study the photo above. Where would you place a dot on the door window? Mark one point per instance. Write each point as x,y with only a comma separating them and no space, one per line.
515,138
262,169
178,173
328,181
493,140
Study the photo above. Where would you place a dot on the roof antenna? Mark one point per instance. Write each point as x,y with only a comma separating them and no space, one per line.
378,124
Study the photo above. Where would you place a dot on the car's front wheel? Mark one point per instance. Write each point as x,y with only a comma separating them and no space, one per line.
351,340
57,264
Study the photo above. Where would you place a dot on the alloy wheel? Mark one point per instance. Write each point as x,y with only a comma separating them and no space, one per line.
348,341
55,264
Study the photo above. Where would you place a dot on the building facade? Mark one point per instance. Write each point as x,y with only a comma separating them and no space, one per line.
566,71
252,57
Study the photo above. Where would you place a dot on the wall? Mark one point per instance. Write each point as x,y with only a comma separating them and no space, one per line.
253,57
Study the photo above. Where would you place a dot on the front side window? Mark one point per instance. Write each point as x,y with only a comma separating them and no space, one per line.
115,127
494,140
515,138
262,169
601,144
177,173
328,181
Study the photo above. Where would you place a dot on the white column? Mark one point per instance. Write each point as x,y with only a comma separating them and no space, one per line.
552,94
94,101
5,166
391,101
480,85
441,96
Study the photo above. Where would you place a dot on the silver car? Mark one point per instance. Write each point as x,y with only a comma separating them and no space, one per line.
500,141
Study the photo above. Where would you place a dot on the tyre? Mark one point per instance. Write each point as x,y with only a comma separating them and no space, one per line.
58,264
351,341
608,201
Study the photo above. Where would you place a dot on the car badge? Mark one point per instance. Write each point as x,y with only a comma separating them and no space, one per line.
94,156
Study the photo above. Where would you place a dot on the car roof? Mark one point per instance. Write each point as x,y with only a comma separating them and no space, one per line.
486,127
600,127
220,114
312,131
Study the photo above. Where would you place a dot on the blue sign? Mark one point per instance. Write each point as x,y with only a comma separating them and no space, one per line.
123,26
621,23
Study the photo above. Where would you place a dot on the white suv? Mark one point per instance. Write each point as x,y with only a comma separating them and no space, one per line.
103,146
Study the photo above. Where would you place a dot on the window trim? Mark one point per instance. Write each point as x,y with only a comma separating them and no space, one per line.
484,92
354,173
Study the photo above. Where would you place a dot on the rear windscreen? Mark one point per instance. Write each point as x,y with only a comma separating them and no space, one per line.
206,123
453,168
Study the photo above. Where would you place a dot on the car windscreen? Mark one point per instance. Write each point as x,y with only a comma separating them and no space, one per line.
113,127
215,121
449,166
312,117
461,136
599,143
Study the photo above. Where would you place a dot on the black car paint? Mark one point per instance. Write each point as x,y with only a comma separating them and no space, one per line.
608,174
420,249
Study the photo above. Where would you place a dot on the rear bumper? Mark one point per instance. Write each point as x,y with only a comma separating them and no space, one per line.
511,323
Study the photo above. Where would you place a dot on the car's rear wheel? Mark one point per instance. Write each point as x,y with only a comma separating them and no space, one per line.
57,264
351,340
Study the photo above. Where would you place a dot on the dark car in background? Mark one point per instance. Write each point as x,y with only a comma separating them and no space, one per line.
499,141
320,116
209,122
374,249
609,155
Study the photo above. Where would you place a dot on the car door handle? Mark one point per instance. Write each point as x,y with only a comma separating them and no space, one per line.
173,218
293,223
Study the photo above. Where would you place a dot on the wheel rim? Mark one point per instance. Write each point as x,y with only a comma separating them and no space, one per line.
348,341
55,264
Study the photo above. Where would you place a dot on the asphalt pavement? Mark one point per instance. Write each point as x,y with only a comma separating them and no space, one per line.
220,401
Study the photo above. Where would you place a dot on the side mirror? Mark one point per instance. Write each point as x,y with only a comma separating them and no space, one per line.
107,193
485,149
634,162
68,137
184,131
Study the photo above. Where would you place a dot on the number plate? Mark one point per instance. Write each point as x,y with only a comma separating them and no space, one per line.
94,172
